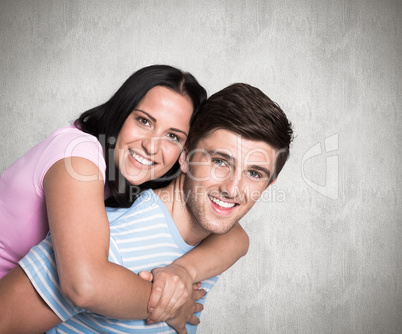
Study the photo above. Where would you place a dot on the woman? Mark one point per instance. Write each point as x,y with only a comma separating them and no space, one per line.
134,139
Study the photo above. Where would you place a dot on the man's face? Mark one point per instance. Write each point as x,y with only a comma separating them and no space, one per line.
224,176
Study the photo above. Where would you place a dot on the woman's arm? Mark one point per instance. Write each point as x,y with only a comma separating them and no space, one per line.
22,310
211,257
80,234
20,301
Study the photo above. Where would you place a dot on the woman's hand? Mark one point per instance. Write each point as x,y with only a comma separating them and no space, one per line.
172,287
185,314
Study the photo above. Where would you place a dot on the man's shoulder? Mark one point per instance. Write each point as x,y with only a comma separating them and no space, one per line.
146,204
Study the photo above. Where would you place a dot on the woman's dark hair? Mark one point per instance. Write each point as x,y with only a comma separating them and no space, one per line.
105,122
247,111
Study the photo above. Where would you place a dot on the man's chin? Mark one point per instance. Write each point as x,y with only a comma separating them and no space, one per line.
218,229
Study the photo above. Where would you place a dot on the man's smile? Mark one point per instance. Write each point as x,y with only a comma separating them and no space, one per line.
221,206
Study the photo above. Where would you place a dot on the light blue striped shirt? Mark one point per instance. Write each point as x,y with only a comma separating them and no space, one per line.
142,237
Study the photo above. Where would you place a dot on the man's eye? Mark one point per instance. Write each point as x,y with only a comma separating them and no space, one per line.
219,162
255,174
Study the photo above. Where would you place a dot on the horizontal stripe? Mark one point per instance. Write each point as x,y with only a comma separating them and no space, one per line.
131,223
147,247
140,242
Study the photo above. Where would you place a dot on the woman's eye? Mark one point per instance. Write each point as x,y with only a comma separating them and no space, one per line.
173,137
143,121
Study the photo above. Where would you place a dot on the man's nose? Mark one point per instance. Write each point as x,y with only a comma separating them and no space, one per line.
231,188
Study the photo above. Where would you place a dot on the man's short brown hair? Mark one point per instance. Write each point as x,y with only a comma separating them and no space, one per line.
247,111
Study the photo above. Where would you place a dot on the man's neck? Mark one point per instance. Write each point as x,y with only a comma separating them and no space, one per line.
175,200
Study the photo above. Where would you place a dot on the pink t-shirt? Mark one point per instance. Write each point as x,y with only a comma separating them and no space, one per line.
23,217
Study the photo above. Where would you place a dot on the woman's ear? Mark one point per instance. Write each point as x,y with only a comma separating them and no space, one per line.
183,161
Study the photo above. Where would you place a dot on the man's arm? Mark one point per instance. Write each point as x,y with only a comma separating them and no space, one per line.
211,257
215,254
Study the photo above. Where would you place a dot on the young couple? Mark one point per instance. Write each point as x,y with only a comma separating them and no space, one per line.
237,145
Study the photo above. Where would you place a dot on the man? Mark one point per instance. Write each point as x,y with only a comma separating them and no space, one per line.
236,149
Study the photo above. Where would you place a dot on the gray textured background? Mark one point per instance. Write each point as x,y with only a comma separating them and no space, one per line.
325,254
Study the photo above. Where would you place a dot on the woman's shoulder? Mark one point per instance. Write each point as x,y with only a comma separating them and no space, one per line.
71,132
65,142
71,141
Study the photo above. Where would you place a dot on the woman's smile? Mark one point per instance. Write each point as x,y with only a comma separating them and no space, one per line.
142,160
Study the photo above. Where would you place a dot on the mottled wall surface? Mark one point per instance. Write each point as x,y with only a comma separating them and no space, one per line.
325,253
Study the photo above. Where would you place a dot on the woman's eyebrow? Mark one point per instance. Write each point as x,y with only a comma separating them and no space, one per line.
153,119
178,130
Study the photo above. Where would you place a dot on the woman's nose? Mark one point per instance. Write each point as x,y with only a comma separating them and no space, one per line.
151,145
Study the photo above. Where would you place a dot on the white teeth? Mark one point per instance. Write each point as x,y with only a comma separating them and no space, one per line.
221,203
141,160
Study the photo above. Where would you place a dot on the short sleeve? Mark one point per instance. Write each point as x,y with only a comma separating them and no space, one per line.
65,143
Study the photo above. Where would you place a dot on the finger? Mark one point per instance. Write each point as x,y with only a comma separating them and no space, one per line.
146,275
196,286
155,297
179,298
172,302
198,307
180,329
198,294
158,289
162,313
183,331
194,320
171,310
158,308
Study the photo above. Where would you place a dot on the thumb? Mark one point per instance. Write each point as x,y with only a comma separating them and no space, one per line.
146,275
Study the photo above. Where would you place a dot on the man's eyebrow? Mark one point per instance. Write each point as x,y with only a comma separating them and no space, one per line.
261,169
155,121
223,155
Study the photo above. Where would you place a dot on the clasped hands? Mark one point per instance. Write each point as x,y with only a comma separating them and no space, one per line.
173,297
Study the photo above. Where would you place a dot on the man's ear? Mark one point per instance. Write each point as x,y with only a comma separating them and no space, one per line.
271,183
183,161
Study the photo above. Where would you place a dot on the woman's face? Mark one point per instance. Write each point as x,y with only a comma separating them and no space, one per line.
153,135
